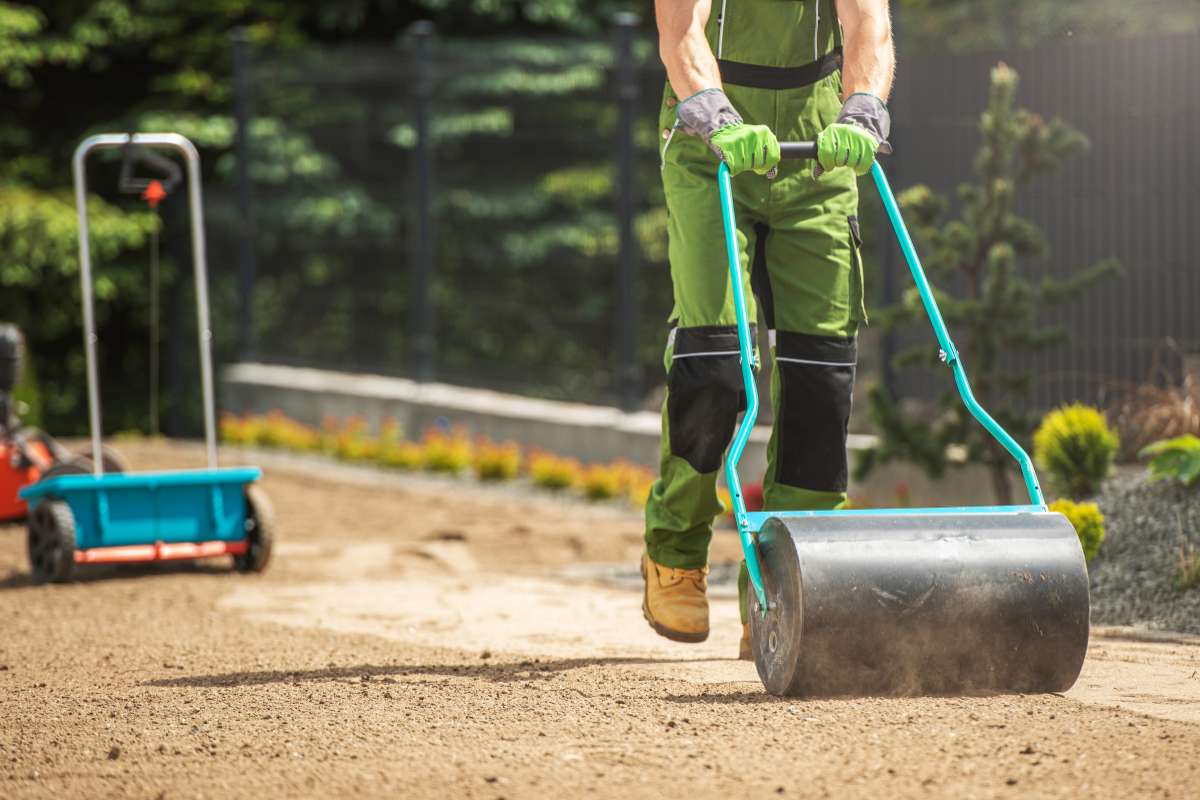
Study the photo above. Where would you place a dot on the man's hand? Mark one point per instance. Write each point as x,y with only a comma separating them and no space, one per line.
860,132
746,147
844,145
709,115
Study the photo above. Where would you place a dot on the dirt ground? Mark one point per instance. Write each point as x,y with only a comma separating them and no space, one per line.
421,638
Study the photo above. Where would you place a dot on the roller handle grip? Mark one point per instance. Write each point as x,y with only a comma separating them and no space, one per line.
797,150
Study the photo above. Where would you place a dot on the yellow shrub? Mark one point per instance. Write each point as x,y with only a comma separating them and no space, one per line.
352,442
726,498
602,481
402,455
280,431
1075,448
1087,521
446,452
639,483
553,472
390,431
496,461
232,428
331,429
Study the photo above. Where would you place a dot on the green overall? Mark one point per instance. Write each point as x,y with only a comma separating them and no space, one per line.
798,235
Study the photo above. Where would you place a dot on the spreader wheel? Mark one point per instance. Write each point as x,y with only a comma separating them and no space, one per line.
74,467
51,540
260,531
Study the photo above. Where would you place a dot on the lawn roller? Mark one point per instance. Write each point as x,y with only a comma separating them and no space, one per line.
147,516
906,601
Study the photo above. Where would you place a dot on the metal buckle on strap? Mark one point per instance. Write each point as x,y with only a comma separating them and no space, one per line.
757,76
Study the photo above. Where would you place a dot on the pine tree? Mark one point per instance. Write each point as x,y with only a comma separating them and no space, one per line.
994,309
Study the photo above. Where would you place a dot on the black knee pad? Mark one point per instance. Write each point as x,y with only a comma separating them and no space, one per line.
704,394
816,375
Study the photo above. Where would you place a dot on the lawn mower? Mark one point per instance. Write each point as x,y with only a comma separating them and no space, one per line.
906,601
147,516
28,454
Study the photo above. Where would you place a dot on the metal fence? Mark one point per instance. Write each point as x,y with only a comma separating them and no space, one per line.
1131,196
479,212
490,212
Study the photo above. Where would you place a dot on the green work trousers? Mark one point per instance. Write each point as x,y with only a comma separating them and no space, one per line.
799,244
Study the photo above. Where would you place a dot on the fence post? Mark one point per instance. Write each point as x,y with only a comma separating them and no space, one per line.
247,231
627,369
422,306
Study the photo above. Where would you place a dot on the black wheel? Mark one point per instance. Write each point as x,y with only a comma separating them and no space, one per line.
51,542
260,531
77,466
111,459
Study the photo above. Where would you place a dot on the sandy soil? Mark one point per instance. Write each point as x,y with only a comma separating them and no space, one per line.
421,638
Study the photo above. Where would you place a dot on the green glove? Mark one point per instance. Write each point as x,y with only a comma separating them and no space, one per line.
844,144
709,115
860,132
744,147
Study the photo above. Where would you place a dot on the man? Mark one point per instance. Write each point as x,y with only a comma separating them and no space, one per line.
739,80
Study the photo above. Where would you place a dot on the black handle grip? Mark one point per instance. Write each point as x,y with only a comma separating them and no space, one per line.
797,149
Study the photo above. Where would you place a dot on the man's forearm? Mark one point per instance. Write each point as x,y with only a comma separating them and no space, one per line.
691,66
868,60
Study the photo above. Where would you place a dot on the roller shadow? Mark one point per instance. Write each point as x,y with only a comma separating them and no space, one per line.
529,670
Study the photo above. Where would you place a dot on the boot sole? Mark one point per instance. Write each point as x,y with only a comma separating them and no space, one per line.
662,630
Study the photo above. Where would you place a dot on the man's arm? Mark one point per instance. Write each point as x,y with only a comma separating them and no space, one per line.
868,59
691,66
704,110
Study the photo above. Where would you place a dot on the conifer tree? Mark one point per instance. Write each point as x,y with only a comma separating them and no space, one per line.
993,309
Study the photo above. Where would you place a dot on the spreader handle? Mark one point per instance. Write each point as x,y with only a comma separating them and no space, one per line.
797,149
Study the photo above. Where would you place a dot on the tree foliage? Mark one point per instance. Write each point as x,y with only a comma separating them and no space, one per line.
973,25
991,306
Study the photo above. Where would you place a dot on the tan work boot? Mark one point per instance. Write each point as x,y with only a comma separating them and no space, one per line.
674,603
745,653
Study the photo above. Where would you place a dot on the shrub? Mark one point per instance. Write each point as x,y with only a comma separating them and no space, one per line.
496,461
603,481
401,455
245,430
1076,448
446,452
554,472
1187,569
352,442
390,431
331,429
280,431
1174,458
1149,413
1087,521
232,428
639,483
725,497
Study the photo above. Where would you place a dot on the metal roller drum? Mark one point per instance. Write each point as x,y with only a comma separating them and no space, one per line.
920,603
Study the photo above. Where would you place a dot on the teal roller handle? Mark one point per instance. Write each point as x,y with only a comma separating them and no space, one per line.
749,360
949,353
